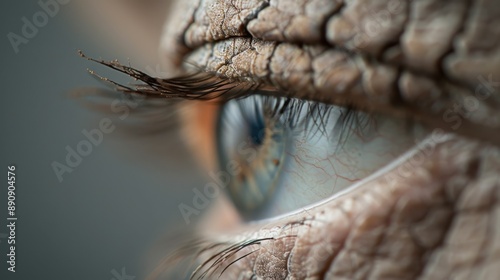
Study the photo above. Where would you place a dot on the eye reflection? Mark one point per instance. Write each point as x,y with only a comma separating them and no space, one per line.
276,146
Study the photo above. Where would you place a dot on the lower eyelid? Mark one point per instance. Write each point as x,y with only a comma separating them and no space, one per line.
396,203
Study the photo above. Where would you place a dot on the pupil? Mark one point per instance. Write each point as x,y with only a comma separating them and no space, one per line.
257,131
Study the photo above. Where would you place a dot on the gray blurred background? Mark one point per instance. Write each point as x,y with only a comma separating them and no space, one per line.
115,209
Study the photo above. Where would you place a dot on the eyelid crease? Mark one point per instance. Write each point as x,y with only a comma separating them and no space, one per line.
209,86
206,86
334,76
201,86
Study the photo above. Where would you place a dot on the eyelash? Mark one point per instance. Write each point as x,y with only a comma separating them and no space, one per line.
195,86
205,86
220,253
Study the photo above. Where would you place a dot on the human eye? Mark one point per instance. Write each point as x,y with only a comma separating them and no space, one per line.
269,149
287,74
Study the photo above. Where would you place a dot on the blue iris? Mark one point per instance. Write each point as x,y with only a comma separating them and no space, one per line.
251,141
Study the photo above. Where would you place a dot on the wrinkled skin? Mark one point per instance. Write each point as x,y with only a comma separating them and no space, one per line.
434,215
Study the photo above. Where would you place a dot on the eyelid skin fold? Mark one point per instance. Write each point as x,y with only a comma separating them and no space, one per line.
446,76
205,86
476,121
342,81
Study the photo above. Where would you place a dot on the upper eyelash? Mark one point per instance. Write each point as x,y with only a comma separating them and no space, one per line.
207,86
198,85
195,86
315,121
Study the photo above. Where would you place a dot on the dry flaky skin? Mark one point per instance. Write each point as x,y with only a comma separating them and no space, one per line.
433,218
430,58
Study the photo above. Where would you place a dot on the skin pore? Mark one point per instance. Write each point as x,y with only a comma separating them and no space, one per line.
433,214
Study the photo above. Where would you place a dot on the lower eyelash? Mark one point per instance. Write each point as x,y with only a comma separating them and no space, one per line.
219,253
221,256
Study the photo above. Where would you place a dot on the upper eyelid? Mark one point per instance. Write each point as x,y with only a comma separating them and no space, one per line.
312,73
212,85
430,76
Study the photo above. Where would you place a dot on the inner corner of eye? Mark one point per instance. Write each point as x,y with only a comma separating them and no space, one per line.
285,154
